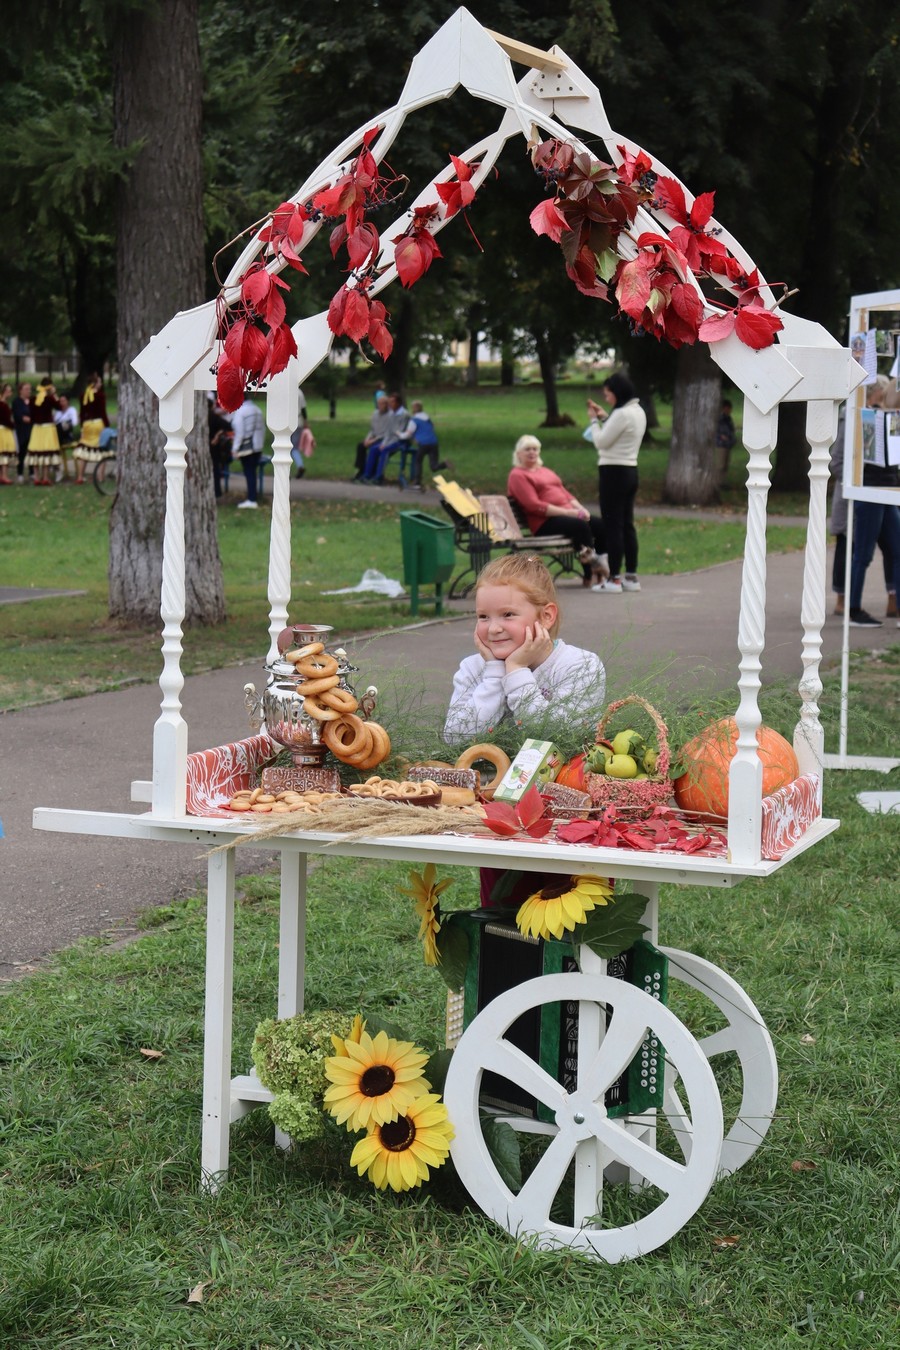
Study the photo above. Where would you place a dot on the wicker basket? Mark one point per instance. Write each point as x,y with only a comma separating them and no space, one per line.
624,793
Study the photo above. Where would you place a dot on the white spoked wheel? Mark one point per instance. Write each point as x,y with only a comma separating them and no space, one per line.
744,1037
585,1139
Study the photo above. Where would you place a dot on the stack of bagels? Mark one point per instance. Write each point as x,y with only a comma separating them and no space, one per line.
364,744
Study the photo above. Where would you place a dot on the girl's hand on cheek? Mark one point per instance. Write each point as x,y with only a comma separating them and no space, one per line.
483,651
534,650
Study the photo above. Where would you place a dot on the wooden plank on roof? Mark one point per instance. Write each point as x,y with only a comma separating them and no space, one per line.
525,55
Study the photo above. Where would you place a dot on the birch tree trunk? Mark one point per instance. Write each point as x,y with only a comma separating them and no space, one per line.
692,472
160,268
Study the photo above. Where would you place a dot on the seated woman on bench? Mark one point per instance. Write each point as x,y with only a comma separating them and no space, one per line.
550,508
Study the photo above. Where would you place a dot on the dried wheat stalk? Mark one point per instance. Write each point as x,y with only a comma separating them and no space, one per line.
364,818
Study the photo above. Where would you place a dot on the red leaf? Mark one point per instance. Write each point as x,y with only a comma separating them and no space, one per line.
702,210
282,346
717,327
234,341
670,196
362,244
334,201
287,251
255,289
356,315
530,807
546,218
409,260
336,311
688,243
633,166
254,349
539,828
464,171
633,288
229,384
379,335
275,309
577,832
756,327
337,237
370,136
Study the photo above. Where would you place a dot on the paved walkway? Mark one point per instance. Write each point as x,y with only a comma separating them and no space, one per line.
85,752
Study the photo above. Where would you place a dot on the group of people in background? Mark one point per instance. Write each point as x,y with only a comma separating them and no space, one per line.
38,425
394,430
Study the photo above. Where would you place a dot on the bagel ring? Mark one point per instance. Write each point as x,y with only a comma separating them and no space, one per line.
315,666
301,653
381,745
349,726
310,687
492,754
341,699
364,757
314,707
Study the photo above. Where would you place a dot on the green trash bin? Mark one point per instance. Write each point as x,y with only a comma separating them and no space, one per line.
429,554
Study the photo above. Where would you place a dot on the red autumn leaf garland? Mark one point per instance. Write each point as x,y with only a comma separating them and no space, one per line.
594,203
662,831
250,354
457,196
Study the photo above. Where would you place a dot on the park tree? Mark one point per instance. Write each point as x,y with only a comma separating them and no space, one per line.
160,270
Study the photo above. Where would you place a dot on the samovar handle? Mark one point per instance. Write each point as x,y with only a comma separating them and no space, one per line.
253,704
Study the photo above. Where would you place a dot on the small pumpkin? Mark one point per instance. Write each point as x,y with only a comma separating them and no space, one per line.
572,773
707,758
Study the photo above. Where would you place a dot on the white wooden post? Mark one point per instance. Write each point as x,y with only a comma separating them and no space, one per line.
291,946
809,735
217,1020
282,406
745,775
176,418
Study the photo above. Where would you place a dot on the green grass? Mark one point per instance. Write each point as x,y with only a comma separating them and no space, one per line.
59,648
103,1231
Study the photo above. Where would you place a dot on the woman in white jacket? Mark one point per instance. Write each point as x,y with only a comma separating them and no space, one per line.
617,436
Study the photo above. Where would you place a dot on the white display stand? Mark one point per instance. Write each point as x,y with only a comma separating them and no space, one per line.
863,309
806,365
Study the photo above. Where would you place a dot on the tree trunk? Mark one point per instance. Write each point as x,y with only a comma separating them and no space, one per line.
403,326
547,364
791,471
507,367
692,472
160,268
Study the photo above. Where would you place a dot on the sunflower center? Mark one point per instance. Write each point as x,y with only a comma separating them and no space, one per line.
397,1135
377,1080
553,892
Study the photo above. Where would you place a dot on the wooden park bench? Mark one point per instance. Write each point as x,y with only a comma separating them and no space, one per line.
493,523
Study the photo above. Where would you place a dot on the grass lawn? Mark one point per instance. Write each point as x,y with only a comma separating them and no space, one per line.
103,1231
57,648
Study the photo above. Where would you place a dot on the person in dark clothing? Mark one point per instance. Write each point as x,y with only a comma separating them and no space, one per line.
21,411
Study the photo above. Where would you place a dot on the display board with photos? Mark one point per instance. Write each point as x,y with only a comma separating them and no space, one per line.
872,435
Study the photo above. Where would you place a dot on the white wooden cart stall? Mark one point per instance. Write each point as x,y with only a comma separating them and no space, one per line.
806,365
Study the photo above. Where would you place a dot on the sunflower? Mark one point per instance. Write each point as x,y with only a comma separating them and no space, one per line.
357,1027
558,908
426,893
374,1081
399,1153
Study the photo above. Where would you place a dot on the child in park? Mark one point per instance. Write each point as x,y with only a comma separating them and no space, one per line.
522,670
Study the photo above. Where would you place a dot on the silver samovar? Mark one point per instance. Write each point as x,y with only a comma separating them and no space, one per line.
280,710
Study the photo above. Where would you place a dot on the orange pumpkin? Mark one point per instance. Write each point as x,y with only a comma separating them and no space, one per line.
707,758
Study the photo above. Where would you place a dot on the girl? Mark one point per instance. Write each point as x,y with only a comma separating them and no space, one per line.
94,421
8,447
522,670
43,443
617,438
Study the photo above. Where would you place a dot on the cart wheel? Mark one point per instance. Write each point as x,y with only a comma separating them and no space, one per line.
744,1036
106,476
585,1139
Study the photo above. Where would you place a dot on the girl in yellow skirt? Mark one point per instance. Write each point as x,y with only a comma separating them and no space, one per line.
93,422
43,445
8,447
